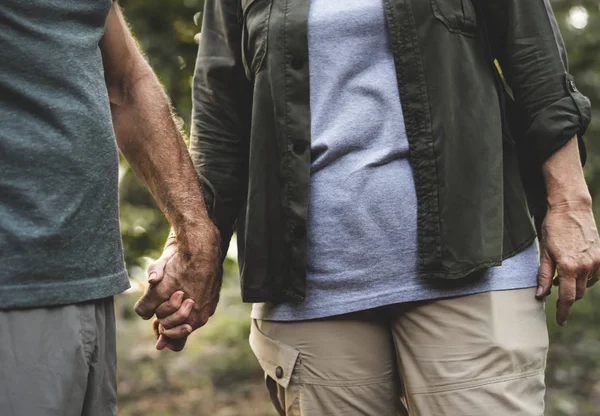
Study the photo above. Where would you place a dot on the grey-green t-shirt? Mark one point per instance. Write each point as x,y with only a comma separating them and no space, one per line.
59,229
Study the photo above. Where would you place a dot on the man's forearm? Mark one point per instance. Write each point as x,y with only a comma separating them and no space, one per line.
152,144
146,133
565,183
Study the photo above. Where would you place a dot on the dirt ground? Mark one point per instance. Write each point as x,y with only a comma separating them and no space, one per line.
216,374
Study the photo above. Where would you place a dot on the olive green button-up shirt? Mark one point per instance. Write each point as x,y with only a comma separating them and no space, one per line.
251,128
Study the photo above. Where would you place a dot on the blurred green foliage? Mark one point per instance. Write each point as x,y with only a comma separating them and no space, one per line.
166,30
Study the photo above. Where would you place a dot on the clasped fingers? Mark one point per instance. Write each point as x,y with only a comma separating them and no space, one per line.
178,317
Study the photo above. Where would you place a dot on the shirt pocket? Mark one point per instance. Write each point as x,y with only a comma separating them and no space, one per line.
458,15
255,34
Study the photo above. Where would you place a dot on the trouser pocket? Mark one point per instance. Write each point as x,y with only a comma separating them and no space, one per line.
278,361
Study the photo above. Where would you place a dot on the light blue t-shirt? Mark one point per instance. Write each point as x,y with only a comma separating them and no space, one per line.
362,217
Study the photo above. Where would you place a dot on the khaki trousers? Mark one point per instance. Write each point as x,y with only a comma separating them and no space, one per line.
483,354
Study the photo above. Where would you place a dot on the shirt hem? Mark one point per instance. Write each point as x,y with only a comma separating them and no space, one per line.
56,294
371,303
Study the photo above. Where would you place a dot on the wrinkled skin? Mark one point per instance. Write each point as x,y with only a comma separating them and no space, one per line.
184,287
569,245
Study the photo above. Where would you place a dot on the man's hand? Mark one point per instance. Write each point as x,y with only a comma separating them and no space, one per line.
184,287
569,242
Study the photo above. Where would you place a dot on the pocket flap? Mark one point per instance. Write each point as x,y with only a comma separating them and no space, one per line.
276,359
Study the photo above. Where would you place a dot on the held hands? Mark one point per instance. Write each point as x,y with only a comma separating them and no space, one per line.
184,287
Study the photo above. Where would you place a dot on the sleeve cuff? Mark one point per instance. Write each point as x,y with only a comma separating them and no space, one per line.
559,122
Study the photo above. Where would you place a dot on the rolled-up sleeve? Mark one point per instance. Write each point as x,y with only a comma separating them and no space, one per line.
527,43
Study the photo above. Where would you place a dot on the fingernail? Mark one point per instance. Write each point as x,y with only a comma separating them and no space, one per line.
539,291
152,277
190,303
188,329
179,295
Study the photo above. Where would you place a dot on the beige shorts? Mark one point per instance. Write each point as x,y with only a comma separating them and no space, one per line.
482,354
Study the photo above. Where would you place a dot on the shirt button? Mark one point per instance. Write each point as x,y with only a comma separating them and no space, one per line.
297,63
572,86
279,372
299,148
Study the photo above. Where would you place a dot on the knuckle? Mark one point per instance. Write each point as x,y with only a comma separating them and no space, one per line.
164,330
174,332
161,312
163,315
570,266
166,323
568,299
177,317
587,264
